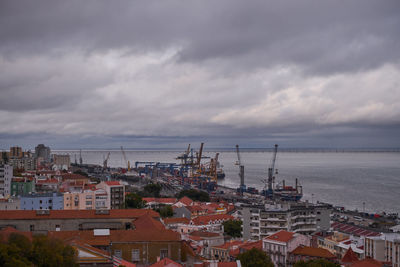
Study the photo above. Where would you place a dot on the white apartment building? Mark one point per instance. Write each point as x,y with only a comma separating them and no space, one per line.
385,247
303,218
6,174
281,243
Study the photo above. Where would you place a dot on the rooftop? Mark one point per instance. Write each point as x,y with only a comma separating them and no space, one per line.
281,236
73,214
313,252
206,219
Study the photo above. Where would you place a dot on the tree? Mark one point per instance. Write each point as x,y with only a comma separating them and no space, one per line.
316,263
47,252
255,258
166,211
194,195
42,252
233,228
134,201
152,190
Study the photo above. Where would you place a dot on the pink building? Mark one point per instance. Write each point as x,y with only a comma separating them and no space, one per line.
86,200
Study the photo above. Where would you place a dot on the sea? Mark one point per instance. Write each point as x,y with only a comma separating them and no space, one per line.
367,181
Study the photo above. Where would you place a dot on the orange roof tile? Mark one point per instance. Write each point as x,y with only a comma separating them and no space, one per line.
186,201
7,231
146,229
367,263
313,252
229,245
227,264
166,262
73,214
281,236
350,256
112,183
163,200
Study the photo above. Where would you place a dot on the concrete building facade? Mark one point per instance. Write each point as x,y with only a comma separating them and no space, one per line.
262,221
6,174
47,201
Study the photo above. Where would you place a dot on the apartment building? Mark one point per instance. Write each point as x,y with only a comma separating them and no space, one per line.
280,244
62,162
46,201
303,218
85,200
116,194
6,174
385,248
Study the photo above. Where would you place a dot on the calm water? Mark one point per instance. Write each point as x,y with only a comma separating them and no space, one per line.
343,178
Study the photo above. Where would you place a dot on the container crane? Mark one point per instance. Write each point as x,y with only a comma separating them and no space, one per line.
128,165
271,170
242,187
106,161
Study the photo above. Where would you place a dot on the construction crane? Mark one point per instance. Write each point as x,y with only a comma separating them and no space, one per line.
80,157
271,170
242,187
105,161
128,165
199,155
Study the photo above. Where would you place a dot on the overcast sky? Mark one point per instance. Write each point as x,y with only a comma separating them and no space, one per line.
100,74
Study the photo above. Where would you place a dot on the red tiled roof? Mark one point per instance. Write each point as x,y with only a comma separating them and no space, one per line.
7,231
281,236
313,252
354,230
250,245
206,219
367,263
146,229
166,262
227,264
186,201
194,208
350,256
228,245
176,220
164,200
111,183
73,214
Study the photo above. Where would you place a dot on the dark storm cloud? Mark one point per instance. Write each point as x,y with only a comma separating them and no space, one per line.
121,71
324,36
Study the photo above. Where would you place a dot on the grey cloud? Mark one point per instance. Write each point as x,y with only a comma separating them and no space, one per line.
329,36
105,72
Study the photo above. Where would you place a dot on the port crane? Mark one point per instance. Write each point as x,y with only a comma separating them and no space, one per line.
242,187
271,171
105,161
128,165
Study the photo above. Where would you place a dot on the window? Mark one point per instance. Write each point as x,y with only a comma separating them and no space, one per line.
31,227
135,255
118,253
163,253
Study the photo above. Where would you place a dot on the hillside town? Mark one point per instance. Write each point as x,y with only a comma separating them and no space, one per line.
112,217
